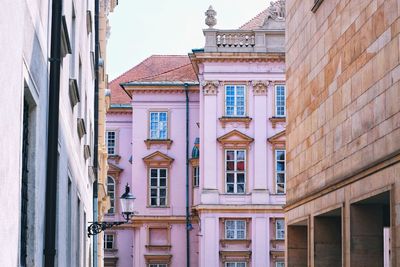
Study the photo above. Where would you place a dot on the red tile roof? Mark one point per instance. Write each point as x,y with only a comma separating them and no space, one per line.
154,68
256,22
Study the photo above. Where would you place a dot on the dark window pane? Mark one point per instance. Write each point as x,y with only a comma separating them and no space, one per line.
153,192
230,166
280,166
163,172
163,182
229,188
240,188
230,178
240,177
153,172
162,202
230,155
240,166
153,182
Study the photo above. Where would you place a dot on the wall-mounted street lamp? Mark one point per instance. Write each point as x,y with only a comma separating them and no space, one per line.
127,200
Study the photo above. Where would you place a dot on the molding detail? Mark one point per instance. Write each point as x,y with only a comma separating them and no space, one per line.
158,159
275,120
210,87
235,139
260,87
235,255
227,242
150,142
278,139
163,259
225,120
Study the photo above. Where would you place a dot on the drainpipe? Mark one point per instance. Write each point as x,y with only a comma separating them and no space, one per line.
96,128
52,136
188,225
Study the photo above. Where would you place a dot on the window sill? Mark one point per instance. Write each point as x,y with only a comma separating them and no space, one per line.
150,142
225,242
157,207
115,157
242,120
158,247
276,120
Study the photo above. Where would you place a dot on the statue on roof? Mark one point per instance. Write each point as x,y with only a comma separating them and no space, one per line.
276,10
211,21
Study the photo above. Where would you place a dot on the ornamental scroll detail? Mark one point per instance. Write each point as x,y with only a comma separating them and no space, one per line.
210,87
260,87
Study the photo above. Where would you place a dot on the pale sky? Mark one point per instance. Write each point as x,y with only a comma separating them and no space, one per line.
141,28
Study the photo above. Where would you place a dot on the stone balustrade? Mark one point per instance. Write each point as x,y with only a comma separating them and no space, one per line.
244,41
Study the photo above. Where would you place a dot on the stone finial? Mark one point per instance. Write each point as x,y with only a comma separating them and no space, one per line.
277,10
211,21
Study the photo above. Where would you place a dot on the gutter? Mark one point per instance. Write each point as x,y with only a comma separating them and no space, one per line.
52,136
96,128
188,224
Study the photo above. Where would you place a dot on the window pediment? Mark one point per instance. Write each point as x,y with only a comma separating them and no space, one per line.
278,139
235,139
158,159
114,170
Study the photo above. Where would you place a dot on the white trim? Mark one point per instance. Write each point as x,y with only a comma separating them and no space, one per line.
235,96
235,230
235,172
276,101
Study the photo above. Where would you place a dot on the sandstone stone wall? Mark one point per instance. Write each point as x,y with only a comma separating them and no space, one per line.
343,80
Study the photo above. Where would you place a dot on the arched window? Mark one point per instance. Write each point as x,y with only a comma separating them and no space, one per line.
111,193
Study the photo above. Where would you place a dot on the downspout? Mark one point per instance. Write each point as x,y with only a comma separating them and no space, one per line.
96,128
188,225
52,136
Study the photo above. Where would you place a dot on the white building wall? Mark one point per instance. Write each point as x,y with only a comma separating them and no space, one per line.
24,73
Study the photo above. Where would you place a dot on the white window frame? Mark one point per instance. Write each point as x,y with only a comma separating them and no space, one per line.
277,172
159,125
279,232
235,100
236,263
111,147
111,194
105,241
196,176
280,264
279,86
158,187
235,229
158,265
235,172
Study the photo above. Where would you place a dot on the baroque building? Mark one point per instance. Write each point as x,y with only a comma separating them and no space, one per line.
201,139
25,77
343,80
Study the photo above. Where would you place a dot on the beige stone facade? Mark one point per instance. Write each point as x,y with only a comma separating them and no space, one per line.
104,103
343,133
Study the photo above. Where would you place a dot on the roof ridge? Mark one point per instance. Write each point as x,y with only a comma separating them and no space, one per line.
161,73
251,20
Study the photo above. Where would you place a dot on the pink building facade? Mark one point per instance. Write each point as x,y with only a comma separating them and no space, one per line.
225,105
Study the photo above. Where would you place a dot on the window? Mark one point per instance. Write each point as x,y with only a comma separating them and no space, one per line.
196,176
235,264
158,125
235,104
280,101
158,265
280,170
111,193
235,229
108,241
280,264
111,142
280,229
235,171
158,187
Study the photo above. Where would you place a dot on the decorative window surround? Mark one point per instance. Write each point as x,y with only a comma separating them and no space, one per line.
235,171
158,160
158,259
81,127
278,140
226,242
229,120
150,142
158,125
235,256
235,139
111,186
109,241
235,229
158,187
73,92
275,120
